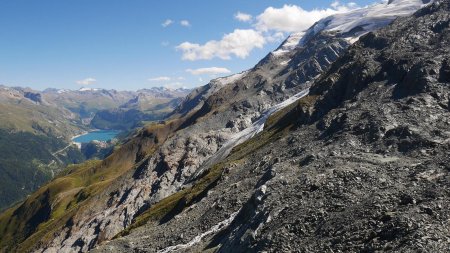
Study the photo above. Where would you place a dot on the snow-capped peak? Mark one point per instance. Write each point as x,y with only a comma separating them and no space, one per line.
88,89
223,81
355,23
61,91
361,21
289,44
402,1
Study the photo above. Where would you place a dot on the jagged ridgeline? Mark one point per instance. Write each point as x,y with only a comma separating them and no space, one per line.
359,162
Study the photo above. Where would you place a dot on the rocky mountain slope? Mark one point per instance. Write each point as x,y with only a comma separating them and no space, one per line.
198,182
361,164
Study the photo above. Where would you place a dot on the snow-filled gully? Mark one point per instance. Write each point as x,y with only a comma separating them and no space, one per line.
222,153
247,133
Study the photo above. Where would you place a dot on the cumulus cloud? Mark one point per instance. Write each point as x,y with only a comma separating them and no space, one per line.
160,79
292,18
208,71
352,5
185,23
243,17
87,81
238,43
275,37
343,7
269,27
167,23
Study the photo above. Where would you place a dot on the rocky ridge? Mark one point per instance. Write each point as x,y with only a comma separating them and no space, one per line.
359,165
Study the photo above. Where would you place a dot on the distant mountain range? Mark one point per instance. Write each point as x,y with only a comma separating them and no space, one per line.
41,123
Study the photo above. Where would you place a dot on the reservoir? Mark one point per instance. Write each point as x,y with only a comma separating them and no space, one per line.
101,135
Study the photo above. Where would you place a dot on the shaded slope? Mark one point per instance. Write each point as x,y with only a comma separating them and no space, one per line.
360,165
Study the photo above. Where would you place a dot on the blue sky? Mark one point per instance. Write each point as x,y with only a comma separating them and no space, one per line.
127,45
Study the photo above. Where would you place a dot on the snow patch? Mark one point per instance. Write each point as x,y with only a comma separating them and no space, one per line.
356,22
289,44
361,21
221,225
88,89
223,81
62,91
244,135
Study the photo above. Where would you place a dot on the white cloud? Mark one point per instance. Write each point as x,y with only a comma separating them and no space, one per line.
269,27
243,17
165,43
208,71
87,81
292,18
160,79
238,43
343,7
167,23
185,23
352,5
275,37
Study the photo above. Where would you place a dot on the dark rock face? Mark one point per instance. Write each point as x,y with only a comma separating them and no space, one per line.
379,180
35,97
363,167
314,58
409,62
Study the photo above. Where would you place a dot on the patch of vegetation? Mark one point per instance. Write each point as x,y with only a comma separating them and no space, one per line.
26,163
119,119
29,223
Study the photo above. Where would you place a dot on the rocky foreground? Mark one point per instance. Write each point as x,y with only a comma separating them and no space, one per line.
360,165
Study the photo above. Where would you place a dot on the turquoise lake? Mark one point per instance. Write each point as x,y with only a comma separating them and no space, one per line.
103,135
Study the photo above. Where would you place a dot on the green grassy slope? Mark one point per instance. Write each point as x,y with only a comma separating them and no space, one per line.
35,220
29,135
